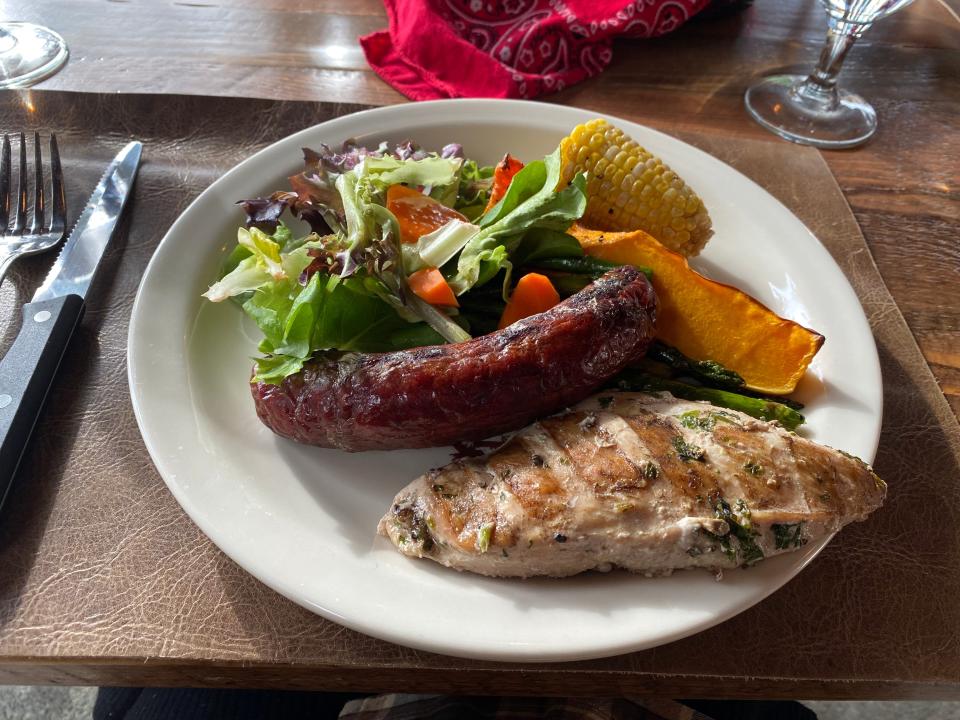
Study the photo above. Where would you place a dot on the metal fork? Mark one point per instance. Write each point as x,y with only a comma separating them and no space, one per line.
18,240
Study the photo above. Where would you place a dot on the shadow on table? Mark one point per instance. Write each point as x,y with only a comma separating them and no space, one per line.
25,516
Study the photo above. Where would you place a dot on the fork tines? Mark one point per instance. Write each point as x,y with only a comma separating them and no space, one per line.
38,224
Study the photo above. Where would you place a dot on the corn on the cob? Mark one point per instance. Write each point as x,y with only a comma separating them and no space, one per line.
630,189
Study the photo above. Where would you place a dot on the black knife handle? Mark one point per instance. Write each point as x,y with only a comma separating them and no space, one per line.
26,373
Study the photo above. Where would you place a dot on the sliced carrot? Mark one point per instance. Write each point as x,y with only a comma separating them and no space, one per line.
430,285
533,294
502,175
418,214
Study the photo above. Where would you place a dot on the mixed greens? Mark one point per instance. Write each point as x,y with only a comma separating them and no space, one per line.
344,286
380,218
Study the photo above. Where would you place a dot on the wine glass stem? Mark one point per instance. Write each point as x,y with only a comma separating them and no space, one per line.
820,87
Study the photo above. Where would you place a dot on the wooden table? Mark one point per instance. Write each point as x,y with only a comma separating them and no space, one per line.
904,187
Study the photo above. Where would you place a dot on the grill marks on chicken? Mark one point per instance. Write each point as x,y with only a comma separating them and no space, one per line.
644,482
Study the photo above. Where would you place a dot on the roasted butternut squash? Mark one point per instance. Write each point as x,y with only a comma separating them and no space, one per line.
708,320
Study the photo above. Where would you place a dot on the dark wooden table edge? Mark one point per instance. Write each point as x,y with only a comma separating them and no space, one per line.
543,680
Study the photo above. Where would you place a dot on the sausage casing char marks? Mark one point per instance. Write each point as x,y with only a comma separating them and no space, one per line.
443,394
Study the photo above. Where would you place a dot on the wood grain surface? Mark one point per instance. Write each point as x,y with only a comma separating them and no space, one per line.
904,187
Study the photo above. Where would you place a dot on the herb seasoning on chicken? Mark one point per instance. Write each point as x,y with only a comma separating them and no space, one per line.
644,482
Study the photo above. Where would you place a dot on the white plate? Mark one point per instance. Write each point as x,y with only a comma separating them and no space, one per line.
303,519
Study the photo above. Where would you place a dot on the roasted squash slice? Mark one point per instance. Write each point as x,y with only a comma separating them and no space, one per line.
708,320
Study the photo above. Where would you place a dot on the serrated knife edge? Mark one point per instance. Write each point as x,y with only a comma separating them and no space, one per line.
128,157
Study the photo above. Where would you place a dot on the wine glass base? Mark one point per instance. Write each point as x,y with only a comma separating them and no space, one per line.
775,104
29,53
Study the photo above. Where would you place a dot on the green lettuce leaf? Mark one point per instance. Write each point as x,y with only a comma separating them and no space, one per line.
539,243
476,182
535,202
259,259
248,275
373,234
530,180
436,248
431,172
256,261
274,368
330,313
269,307
531,201
363,191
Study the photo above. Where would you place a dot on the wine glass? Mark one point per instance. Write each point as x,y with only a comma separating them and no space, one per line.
29,53
811,109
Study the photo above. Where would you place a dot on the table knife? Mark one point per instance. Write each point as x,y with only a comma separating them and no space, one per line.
49,320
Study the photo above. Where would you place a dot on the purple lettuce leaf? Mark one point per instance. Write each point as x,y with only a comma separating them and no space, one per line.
453,150
264,213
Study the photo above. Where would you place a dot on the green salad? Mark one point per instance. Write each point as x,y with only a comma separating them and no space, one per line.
346,284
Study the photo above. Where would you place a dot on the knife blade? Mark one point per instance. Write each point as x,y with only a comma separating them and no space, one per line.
74,268
49,320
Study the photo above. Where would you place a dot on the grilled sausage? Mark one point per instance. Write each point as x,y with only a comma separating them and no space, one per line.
443,394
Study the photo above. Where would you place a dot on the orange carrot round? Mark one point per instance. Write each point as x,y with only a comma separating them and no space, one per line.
533,294
418,214
430,285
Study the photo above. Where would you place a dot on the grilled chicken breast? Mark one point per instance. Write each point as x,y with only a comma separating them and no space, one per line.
640,481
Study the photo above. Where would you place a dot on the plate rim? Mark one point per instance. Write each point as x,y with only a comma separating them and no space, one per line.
412,639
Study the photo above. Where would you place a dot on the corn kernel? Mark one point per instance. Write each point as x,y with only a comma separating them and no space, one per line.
628,188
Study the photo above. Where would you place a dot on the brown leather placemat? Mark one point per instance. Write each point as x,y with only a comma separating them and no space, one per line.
103,579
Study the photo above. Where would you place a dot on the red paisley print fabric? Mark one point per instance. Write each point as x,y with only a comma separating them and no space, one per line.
509,48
